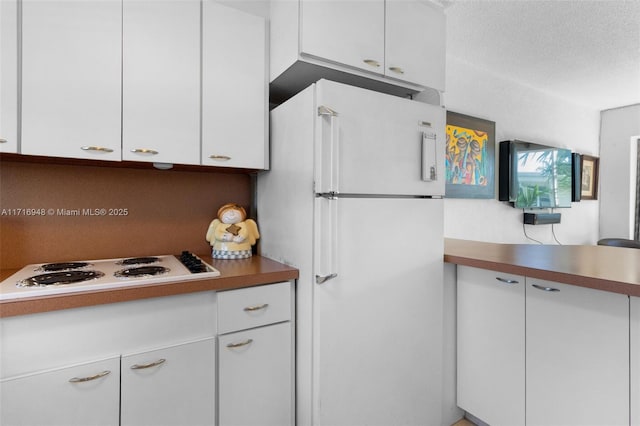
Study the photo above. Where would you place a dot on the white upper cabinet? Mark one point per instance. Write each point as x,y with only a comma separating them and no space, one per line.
8,76
415,42
234,88
161,81
71,78
347,32
392,46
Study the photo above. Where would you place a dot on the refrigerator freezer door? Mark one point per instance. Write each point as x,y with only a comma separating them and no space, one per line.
377,326
372,143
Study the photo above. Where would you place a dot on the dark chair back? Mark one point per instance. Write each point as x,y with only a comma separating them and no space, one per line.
619,242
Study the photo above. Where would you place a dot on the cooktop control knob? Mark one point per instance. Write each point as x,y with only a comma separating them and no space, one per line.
192,262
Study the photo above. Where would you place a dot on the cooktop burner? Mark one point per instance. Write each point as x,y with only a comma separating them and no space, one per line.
62,266
56,278
138,260
89,275
142,271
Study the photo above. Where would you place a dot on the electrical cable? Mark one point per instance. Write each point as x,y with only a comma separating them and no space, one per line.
553,232
524,230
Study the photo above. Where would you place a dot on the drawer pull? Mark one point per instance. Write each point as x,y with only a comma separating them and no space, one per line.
371,62
89,378
256,307
151,364
507,280
3,141
397,70
220,157
543,288
96,148
238,345
144,151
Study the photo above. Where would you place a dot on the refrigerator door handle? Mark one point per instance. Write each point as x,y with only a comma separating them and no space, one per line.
429,156
330,160
327,266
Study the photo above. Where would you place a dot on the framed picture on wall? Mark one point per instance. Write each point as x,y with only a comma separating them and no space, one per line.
469,157
589,186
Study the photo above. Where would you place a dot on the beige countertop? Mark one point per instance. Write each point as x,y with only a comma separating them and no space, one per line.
240,273
614,269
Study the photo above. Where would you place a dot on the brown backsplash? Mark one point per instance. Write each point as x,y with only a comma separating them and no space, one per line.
91,212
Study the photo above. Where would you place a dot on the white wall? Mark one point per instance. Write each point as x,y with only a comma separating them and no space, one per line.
619,131
520,112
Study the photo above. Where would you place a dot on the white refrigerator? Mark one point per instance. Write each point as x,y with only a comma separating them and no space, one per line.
354,201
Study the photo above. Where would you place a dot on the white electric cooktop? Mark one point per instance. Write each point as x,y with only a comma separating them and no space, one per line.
68,277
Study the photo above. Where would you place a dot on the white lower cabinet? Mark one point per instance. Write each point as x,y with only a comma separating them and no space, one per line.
255,377
491,346
577,355
170,386
635,361
84,394
255,356
545,353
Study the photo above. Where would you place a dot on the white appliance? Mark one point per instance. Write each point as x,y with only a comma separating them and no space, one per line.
45,279
354,200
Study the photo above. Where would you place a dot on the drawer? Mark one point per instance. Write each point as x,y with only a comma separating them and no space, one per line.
253,307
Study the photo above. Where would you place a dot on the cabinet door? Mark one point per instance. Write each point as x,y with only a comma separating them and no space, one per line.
234,88
347,32
161,81
170,386
71,74
81,395
415,42
635,361
577,355
491,345
255,377
8,76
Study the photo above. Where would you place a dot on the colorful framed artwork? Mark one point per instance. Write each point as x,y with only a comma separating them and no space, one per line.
589,186
469,157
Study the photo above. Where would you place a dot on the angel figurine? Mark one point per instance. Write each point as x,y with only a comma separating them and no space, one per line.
231,234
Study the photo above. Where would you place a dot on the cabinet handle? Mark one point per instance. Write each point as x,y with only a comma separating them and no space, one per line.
89,378
543,288
144,151
507,280
238,345
397,70
371,62
151,364
256,307
220,157
3,141
96,148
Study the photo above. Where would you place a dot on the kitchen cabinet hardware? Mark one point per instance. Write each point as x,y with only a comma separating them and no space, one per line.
240,344
372,62
544,288
256,307
96,148
507,280
3,141
324,279
397,70
89,378
144,151
220,157
149,365
324,110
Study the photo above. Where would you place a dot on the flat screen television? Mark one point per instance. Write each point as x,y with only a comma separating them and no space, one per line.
533,176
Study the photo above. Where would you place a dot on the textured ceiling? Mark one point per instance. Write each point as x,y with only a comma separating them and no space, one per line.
582,50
